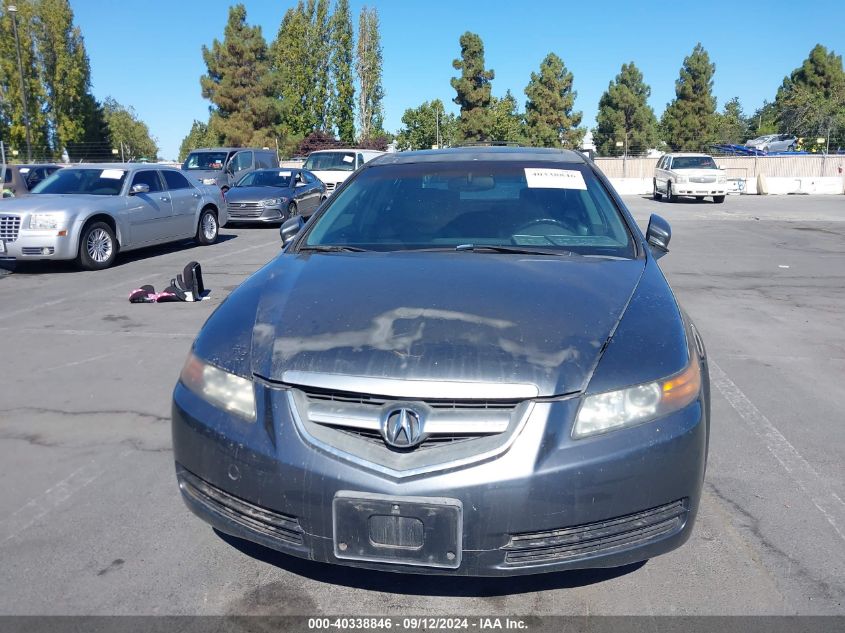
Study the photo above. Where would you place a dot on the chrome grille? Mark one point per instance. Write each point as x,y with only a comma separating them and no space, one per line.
447,420
10,226
703,179
330,187
245,209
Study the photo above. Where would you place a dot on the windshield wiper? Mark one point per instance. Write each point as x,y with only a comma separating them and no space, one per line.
331,248
519,250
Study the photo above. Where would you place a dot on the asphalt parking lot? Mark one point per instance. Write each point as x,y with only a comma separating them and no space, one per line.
92,522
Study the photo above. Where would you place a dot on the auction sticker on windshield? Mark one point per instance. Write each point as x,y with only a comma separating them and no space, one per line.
115,174
539,178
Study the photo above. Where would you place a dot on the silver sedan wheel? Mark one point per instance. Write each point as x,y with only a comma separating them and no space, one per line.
99,246
209,227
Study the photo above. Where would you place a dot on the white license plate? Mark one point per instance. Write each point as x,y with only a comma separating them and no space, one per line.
2,246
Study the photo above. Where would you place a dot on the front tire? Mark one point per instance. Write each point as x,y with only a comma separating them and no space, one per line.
208,228
718,199
670,197
292,210
655,195
97,247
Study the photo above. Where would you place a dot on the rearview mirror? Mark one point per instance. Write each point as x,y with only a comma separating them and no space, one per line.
290,229
658,235
139,188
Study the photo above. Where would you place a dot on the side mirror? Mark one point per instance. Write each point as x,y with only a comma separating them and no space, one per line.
658,235
290,229
139,188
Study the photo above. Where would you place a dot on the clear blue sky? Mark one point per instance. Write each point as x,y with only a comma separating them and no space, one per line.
147,54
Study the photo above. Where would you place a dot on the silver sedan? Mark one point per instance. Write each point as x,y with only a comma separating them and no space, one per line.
91,212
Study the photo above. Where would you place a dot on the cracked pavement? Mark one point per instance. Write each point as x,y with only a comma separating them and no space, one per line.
92,522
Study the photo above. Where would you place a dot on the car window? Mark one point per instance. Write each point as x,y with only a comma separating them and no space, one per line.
98,182
175,180
410,206
308,177
7,178
693,162
206,161
330,161
266,178
241,161
149,178
360,159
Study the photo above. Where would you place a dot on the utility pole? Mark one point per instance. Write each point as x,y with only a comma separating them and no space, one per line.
13,9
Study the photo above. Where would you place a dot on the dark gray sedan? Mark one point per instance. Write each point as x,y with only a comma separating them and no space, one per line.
467,362
274,195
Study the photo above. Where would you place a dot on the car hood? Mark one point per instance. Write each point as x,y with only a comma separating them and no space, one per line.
256,194
44,202
458,317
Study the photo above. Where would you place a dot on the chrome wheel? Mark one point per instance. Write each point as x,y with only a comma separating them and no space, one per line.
209,227
99,245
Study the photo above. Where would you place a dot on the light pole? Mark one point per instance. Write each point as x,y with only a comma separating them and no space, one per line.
14,11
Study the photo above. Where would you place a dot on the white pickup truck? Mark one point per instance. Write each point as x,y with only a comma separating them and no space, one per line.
695,175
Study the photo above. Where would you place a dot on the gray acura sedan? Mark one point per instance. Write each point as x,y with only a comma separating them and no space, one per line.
274,195
91,212
467,362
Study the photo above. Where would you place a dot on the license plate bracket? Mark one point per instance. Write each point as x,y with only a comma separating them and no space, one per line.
421,531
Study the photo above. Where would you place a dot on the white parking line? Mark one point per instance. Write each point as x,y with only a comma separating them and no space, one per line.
813,484
126,283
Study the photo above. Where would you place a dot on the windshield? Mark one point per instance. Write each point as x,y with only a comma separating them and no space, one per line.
266,178
97,182
693,162
548,206
207,161
331,161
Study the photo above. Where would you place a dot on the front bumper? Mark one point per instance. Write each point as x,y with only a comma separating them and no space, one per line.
35,245
264,214
548,503
700,189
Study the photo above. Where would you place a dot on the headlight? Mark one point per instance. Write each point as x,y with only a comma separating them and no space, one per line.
611,410
222,389
680,178
45,221
274,202
723,178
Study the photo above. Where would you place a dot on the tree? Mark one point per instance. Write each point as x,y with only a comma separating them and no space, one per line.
317,140
811,101
689,120
11,108
731,124
239,85
763,121
343,93
549,116
66,72
128,131
625,116
290,64
371,93
95,143
507,124
199,136
319,48
427,125
473,90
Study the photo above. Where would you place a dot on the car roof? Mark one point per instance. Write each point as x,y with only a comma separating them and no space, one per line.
347,149
492,153
688,154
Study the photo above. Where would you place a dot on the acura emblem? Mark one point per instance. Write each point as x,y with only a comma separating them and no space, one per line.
402,428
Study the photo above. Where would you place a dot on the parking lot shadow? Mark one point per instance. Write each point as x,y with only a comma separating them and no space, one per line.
426,584
680,200
45,267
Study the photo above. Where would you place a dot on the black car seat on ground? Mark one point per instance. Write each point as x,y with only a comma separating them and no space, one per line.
192,279
144,294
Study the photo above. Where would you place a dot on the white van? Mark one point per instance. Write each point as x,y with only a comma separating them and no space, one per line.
333,166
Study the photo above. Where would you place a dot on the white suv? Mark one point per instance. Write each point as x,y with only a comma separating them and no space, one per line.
689,175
